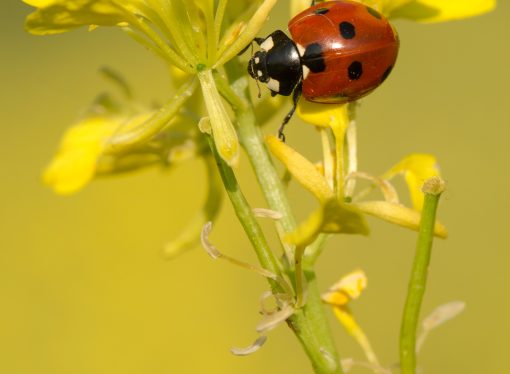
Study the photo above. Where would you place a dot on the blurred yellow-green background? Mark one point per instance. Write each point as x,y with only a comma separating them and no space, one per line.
84,285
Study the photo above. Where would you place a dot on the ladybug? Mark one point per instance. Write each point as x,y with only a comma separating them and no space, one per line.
339,52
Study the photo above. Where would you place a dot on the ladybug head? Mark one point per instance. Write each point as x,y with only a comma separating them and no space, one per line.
257,67
277,64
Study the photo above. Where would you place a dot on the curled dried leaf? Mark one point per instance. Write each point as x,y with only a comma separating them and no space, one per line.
252,348
267,213
273,320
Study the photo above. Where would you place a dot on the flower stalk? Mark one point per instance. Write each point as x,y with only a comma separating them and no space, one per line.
309,322
432,189
247,218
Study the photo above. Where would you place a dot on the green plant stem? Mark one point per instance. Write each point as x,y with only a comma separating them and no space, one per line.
308,323
245,215
418,280
267,176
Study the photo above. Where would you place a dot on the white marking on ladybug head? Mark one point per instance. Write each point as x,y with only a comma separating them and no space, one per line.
273,85
259,73
267,44
306,71
257,60
300,49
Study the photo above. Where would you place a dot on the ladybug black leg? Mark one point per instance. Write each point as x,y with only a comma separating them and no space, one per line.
296,94
256,40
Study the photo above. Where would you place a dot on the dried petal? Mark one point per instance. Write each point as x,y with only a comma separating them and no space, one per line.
273,320
206,244
442,314
387,189
254,347
267,213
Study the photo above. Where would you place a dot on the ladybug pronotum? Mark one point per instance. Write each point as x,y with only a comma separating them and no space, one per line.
339,52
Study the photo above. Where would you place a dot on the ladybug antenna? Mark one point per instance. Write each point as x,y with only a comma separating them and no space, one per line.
252,73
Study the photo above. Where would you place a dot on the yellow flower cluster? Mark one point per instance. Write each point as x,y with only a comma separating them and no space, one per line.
196,38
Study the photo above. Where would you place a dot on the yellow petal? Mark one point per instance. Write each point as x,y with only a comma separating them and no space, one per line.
442,10
398,214
74,164
40,3
416,168
350,287
332,217
322,115
336,117
301,169
352,327
347,288
57,16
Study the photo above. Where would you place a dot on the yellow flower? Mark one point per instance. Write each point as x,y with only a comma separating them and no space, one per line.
419,10
431,10
436,10
84,152
416,169
339,296
337,213
115,139
187,34
75,163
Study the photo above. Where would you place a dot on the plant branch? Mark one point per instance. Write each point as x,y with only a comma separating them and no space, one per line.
245,215
432,188
308,323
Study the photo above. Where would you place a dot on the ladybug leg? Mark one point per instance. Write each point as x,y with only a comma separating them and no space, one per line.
296,94
256,40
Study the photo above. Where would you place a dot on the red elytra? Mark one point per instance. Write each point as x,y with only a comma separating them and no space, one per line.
339,52
357,45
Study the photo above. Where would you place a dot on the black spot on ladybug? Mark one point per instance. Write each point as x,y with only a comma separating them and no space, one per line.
386,73
347,30
374,12
355,70
321,11
313,58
